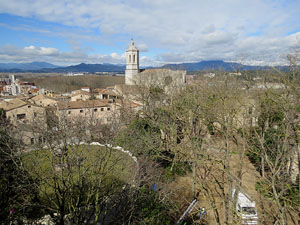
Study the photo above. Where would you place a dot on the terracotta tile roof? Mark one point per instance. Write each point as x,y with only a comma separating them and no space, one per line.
41,96
35,90
105,91
15,103
81,92
83,104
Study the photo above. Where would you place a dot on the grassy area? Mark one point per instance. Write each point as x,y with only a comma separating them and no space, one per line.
90,164
85,177
62,84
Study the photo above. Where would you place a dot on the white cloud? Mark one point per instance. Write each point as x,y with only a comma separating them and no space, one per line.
187,30
52,55
145,61
32,50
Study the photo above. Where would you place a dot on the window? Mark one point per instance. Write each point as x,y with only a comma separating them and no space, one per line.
102,109
95,110
81,110
108,109
29,106
129,58
34,114
21,116
133,58
69,112
32,141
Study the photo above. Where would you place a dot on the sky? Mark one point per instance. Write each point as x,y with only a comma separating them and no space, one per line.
68,32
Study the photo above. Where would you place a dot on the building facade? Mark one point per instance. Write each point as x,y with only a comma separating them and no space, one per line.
132,64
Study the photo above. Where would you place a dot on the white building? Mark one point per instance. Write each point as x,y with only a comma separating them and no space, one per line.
14,88
132,64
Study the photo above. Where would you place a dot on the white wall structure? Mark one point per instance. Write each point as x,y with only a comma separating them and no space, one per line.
132,64
12,78
15,88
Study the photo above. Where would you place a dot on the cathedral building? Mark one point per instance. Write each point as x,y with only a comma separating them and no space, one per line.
166,79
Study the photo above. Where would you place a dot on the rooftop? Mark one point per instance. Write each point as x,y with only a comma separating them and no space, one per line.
83,104
105,91
80,92
15,103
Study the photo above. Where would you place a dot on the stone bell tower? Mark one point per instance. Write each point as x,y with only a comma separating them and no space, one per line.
132,64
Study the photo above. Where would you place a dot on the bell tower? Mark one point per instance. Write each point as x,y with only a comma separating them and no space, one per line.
132,64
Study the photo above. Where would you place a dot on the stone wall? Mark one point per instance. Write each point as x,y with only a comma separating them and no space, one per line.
169,80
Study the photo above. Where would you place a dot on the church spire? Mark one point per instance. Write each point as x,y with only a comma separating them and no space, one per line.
132,63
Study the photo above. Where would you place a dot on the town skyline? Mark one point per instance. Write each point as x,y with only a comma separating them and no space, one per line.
67,33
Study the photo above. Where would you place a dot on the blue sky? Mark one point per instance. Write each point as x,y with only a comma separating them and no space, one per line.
66,32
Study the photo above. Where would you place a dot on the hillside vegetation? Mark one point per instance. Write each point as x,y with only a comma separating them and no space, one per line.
63,84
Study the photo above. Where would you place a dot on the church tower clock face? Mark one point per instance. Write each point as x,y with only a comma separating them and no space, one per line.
132,64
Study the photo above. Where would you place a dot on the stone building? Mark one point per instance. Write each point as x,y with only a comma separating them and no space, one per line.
80,95
43,100
105,94
92,111
28,120
164,78
132,64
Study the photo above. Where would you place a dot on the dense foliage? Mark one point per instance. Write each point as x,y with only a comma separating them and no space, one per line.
17,192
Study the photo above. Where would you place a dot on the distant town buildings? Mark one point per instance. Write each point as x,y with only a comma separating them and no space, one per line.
10,86
25,104
33,114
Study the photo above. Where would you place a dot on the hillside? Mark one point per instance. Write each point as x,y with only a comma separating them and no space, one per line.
64,84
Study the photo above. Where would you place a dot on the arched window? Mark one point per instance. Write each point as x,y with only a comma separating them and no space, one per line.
129,58
133,58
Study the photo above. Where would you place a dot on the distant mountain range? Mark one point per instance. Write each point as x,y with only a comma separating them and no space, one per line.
217,65
91,68
26,66
43,67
